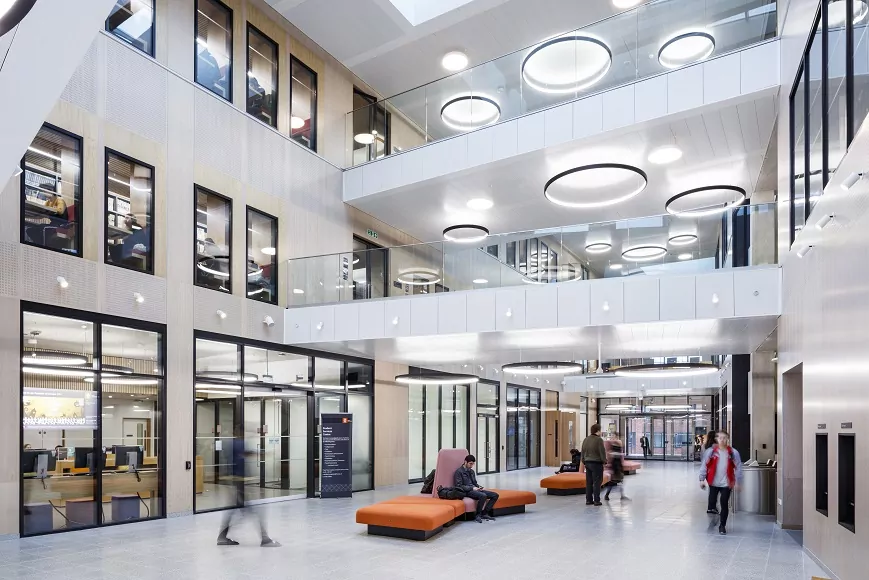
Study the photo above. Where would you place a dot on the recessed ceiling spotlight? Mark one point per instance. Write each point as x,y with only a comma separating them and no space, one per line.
566,64
466,233
469,112
644,253
455,60
705,201
837,14
598,248
626,3
685,256
682,240
665,154
596,185
686,48
364,138
480,204
615,266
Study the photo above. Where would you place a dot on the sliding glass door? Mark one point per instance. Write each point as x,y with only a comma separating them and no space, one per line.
523,428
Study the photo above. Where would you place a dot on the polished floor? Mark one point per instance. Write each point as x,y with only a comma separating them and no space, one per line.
664,533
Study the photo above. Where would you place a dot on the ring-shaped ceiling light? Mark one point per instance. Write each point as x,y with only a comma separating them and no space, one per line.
116,369
686,48
705,201
227,375
666,371
598,248
13,13
542,368
466,233
682,240
596,185
566,64
53,359
469,112
436,379
836,12
644,253
418,277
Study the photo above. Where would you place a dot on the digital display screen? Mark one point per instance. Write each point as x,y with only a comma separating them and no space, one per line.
60,409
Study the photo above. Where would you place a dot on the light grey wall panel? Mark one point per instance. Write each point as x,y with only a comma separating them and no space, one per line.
255,328
9,269
136,95
219,134
121,285
207,302
42,268
266,169
81,90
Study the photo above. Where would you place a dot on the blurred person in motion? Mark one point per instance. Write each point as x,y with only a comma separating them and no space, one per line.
615,461
238,472
721,469
594,458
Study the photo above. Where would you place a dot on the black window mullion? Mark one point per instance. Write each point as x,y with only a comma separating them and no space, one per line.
793,163
807,168
825,77
99,458
849,71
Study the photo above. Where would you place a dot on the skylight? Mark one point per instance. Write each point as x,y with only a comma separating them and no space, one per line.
418,11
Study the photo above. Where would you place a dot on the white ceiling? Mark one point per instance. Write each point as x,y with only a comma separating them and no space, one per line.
721,145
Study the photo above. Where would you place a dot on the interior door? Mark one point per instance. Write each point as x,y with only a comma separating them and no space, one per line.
659,438
487,444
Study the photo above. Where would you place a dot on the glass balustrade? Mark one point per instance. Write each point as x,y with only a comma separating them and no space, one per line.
651,39
663,244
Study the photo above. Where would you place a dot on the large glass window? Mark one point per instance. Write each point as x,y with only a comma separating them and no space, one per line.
837,108
213,240
438,419
815,128
133,22
262,76
488,427
262,256
93,423
523,428
303,104
214,47
51,191
860,57
129,211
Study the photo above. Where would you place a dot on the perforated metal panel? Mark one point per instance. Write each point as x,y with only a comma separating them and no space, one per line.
266,167
135,92
81,90
8,269
39,270
219,135
207,302
119,296
256,329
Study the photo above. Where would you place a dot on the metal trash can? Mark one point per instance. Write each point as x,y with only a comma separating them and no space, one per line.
757,494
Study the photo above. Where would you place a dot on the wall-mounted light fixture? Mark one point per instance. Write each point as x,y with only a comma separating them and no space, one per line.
221,314
137,296
824,220
61,281
269,321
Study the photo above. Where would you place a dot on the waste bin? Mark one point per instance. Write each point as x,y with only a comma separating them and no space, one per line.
757,495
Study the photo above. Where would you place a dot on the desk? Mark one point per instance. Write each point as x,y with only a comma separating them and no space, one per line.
63,487
37,207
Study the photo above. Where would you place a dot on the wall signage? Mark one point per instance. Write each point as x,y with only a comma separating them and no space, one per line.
822,425
336,455
345,268
372,234
847,425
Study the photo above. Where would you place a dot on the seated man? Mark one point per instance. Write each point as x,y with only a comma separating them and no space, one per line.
466,480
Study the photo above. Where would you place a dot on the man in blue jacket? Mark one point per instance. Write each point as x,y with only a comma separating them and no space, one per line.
466,480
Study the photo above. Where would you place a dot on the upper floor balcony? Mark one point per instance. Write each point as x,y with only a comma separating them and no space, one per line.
642,43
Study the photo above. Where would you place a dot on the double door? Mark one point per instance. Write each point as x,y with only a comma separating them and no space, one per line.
669,437
487,443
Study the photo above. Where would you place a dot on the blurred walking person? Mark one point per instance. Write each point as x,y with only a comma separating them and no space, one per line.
615,460
722,470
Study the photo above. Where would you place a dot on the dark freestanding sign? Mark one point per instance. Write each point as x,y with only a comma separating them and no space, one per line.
336,455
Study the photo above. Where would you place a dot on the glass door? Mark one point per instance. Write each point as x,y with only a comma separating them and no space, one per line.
487,443
678,438
635,429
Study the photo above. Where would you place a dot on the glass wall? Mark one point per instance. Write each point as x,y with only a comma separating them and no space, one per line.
213,240
93,424
438,419
51,191
213,64
133,22
129,213
262,256
303,104
262,76
523,427
488,445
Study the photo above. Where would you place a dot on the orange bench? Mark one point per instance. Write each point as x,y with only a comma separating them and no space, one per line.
630,467
512,501
568,483
412,521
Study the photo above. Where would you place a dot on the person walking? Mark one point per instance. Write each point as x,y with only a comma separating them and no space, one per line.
615,460
644,443
593,456
721,469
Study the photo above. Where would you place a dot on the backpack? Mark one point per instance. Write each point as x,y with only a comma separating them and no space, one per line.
450,493
428,483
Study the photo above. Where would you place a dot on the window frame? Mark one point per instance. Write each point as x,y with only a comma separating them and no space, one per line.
295,60
275,230
151,211
277,77
79,232
196,189
231,49
153,30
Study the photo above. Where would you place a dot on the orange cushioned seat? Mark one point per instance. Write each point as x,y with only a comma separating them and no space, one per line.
512,501
457,504
413,521
569,483
631,466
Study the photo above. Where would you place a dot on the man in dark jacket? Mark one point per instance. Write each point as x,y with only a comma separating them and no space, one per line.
594,458
466,480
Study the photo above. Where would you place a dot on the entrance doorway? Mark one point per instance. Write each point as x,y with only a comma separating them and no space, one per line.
671,436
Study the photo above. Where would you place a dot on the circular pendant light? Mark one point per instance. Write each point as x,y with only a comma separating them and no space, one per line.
53,359
12,12
566,64
117,369
418,277
682,240
596,185
436,379
469,112
666,370
598,248
837,13
644,253
364,138
686,48
705,201
227,375
542,368
466,233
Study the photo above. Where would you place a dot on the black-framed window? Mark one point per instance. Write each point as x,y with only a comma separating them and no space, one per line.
262,256
213,240
262,76
523,427
213,46
371,128
303,104
129,217
822,469
370,270
51,191
488,445
133,21
93,420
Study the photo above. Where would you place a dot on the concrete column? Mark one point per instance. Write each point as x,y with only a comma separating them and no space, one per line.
10,414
